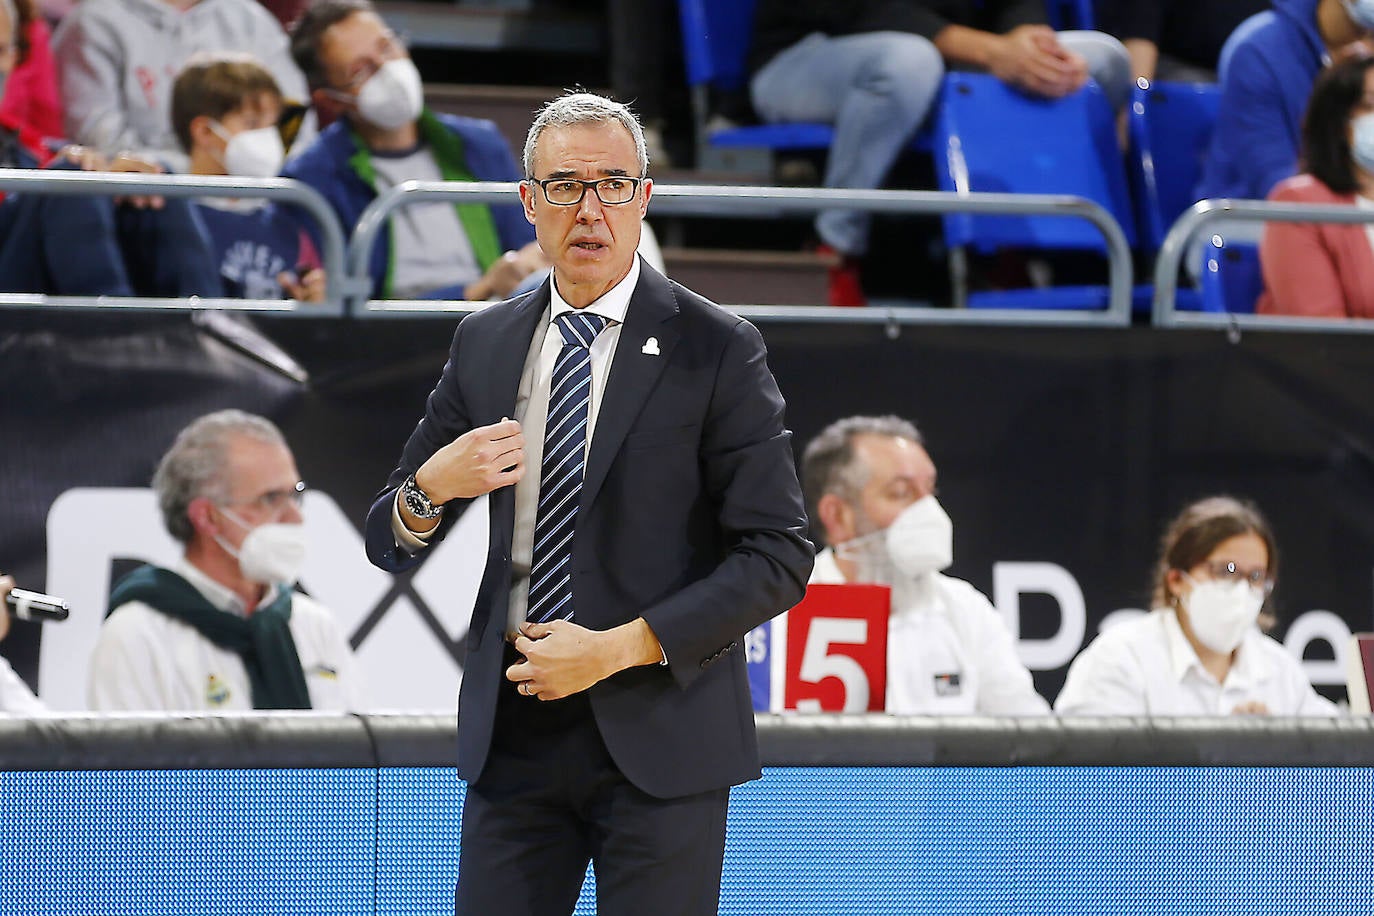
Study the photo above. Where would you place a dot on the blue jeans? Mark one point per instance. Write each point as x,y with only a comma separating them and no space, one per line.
876,89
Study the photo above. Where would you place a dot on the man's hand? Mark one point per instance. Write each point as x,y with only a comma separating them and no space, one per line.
1031,58
1251,708
308,287
561,658
508,272
477,462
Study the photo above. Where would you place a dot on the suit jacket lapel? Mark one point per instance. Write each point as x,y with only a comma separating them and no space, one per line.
634,372
509,340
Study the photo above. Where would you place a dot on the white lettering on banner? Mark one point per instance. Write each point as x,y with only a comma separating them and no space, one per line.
88,528
1012,580
1323,626
818,663
756,645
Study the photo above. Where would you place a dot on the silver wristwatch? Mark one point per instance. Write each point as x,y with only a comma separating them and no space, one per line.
417,501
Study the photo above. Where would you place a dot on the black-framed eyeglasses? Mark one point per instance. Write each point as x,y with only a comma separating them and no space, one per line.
1227,571
568,192
275,501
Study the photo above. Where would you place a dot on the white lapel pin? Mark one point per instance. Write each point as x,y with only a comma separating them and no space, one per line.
650,347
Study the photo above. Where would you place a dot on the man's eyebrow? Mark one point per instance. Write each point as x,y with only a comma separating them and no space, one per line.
572,173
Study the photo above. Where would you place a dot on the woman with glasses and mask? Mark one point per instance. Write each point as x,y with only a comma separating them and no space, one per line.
1327,269
1200,652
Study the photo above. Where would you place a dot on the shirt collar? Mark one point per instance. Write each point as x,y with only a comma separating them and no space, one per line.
1250,666
220,596
612,305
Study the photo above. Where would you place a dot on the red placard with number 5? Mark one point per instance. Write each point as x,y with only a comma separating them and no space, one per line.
837,650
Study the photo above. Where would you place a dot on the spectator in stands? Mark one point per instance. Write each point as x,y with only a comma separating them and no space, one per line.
1266,75
872,68
90,245
31,104
1327,269
15,695
225,109
224,629
359,69
1174,39
118,58
871,485
1200,652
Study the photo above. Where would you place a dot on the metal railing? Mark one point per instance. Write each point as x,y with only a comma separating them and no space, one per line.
1205,213
765,202
66,183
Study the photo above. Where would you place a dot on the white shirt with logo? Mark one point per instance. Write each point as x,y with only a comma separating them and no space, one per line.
148,661
1147,667
948,651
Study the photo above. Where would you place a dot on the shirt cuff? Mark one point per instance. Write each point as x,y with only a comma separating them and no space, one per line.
411,541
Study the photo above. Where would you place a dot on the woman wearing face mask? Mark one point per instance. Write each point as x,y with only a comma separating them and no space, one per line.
1327,270
1200,652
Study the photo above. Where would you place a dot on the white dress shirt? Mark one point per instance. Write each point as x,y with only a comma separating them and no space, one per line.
531,409
15,696
148,661
1147,667
948,651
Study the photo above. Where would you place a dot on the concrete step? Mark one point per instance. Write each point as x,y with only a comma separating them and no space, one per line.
751,277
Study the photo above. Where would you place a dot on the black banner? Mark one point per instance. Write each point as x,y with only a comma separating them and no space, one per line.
1061,452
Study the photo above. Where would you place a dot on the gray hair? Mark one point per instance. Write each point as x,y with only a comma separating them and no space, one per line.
585,108
829,464
194,466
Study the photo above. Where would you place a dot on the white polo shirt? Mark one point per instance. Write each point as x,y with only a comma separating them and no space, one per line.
1147,667
148,661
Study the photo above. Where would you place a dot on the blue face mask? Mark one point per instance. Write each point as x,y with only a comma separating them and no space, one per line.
1361,12
1362,142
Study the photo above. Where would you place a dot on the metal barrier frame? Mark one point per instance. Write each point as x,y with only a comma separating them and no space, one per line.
764,202
72,183
1206,212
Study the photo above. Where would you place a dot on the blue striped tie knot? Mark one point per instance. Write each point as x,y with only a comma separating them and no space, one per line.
560,475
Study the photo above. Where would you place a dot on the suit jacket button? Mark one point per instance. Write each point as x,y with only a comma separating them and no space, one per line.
705,662
731,647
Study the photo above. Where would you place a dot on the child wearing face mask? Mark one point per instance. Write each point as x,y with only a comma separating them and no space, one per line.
1327,270
1200,652
225,112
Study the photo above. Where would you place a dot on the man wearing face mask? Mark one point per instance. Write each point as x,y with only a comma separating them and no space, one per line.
224,629
871,485
225,110
360,72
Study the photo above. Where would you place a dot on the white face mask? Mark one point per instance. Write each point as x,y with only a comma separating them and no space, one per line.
870,556
1362,142
271,554
921,539
393,96
1220,614
1361,12
252,153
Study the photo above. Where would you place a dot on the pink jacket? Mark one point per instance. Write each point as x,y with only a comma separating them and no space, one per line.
1314,269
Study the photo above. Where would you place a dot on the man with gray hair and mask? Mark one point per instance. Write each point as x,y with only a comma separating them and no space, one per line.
870,484
224,629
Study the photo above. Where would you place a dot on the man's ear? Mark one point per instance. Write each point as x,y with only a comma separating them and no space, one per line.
528,190
328,108
200,512
836,517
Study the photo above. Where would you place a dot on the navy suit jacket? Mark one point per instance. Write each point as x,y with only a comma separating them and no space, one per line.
691,517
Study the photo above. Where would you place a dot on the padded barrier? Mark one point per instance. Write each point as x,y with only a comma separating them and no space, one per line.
308,814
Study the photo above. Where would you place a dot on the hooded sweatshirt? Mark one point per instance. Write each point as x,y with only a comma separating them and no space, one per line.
118,59
1265,81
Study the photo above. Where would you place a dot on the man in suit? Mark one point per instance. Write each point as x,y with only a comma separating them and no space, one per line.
645,513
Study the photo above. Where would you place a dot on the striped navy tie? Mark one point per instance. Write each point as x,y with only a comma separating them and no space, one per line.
560,475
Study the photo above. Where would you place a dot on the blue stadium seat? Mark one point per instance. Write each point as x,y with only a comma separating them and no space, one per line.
716,35
1070,14
1171,128
990,137
1231,278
